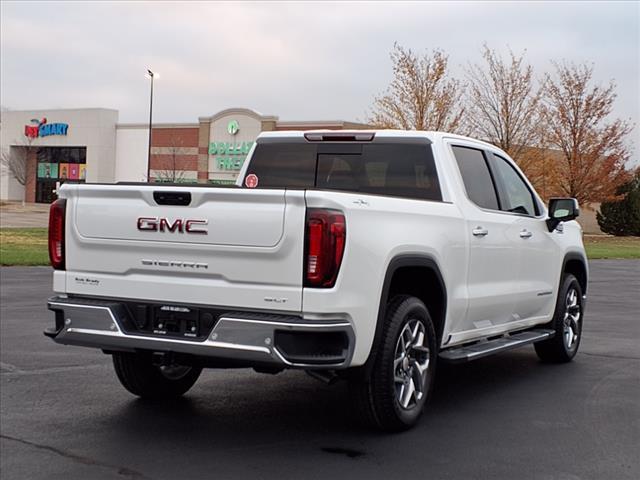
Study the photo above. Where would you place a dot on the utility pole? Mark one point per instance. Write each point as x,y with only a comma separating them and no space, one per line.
150,74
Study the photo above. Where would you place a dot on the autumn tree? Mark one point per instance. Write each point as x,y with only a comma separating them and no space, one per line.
421,96
504,106
590,164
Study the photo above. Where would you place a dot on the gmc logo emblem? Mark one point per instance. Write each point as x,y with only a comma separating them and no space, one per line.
179,225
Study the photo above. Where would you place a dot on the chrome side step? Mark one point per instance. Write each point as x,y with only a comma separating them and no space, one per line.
466,353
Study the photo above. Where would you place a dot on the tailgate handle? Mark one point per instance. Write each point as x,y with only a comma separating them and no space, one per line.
172,198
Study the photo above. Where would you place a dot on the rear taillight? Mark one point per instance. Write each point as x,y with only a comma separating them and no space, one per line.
56,233
324,246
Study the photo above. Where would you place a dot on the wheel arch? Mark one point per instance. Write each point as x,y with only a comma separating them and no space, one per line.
400,276
576,264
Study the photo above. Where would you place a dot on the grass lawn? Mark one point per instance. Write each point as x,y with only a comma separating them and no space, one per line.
23,246
604,246
28,246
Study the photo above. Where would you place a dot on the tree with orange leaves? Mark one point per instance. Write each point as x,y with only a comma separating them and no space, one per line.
421,96
504,105
590,164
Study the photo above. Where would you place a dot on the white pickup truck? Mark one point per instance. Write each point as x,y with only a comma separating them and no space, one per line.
364,256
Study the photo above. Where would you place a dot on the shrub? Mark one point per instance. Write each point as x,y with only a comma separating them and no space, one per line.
622,217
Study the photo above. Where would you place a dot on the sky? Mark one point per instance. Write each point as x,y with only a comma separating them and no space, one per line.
299,61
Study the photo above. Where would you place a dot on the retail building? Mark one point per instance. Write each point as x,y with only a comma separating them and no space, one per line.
89,145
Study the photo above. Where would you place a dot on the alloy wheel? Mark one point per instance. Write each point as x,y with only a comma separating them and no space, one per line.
571,321
411,364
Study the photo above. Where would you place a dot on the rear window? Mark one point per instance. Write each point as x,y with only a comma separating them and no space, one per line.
394,169
281,165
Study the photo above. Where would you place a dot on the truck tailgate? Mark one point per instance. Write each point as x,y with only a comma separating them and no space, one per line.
227,246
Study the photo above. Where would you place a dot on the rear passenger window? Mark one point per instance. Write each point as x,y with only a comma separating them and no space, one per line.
476,177
398,170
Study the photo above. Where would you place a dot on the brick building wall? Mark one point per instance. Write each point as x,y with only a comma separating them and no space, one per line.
174,151
203,151
32,167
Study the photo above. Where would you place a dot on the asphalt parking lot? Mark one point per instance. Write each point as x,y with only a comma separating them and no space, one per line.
64,414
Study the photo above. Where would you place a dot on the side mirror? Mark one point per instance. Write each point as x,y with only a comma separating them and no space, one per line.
562,210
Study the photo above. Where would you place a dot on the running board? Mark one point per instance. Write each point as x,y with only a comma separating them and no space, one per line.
466,353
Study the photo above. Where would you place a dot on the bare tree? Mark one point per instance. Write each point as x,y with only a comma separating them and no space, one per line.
504,105
14,161
170,176
590,165
421,96
171,171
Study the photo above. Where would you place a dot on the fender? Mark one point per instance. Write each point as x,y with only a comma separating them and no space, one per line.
402,260
579,257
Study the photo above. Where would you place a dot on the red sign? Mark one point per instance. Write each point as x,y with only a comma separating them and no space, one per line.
251,180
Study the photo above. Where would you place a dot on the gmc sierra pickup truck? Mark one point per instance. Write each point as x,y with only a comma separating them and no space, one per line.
368,256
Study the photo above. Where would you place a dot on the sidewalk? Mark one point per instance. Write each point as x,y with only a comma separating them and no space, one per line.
30,215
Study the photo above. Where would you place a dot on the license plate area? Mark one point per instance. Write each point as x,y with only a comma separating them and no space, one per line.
173,321
177,322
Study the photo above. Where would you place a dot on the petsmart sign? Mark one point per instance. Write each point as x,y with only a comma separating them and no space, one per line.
40,128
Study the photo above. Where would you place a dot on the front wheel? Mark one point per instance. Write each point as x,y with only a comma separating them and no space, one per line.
567,323
141,377
393,395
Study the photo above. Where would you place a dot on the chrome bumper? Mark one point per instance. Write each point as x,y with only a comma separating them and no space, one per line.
244,338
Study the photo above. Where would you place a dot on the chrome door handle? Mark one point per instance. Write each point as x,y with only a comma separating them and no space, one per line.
479,232
525,234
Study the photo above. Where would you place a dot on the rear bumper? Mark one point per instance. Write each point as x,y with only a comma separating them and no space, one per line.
246,338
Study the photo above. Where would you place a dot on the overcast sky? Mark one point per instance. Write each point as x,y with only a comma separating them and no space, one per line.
299,61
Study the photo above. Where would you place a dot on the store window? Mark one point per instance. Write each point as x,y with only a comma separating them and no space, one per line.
57,165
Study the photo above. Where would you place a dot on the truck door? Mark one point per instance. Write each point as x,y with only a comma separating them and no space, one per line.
494,259
540,258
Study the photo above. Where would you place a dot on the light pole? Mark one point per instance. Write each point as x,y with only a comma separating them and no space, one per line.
151,75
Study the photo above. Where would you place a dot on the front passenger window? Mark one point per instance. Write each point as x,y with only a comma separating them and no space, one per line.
515,196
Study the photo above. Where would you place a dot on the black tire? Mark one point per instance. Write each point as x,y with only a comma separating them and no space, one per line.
377,398
139,376
564,345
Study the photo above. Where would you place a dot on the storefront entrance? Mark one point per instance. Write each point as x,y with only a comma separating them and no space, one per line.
57,165
45,191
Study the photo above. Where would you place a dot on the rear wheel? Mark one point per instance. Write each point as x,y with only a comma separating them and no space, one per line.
567,323
141,377
393,395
